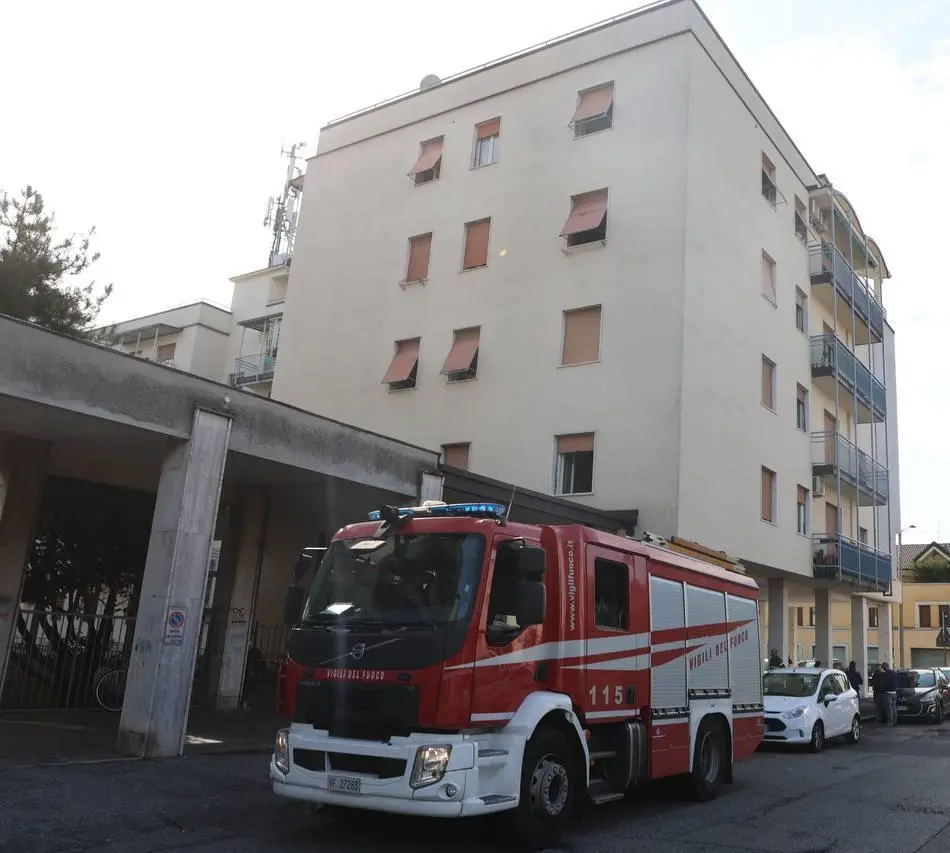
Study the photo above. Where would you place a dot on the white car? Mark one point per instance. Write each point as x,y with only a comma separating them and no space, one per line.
808,706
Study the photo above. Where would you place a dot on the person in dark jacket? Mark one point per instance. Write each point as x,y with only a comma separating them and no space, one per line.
890,685
775,659
855,679
879,686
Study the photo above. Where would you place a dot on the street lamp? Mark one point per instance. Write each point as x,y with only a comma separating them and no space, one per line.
900,574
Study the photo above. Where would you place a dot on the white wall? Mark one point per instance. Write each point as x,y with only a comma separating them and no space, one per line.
338,336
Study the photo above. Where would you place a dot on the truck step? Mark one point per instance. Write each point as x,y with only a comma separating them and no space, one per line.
600,792
600,799
599,754
492,753
496,799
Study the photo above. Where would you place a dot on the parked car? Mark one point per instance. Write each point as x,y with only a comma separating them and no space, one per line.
835,664
808,706
923,693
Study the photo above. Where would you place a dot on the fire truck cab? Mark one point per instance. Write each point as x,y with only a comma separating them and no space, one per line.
447,662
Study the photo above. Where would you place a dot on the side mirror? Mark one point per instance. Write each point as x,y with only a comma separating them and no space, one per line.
532,563
829,698
293,604
302,566
532,603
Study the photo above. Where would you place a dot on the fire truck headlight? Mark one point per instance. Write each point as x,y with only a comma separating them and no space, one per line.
430,765
282,751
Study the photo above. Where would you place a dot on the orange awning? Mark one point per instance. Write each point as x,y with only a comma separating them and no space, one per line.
400,368
431,154
596,102
463,351
587,213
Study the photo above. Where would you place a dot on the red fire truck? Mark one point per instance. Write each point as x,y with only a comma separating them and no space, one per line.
448,662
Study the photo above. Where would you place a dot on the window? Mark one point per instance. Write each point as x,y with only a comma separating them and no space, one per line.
588,220
943,613
402,369
486,143
769,189
801,508
429,164
801,409
801,311
462,361
574,472
456,455
924,612
768,495
503,599
769,290
863,535
800,617
873,619
581,343
595,110
768,383
811,617
611,595
801,230
476,244
166,353
418,269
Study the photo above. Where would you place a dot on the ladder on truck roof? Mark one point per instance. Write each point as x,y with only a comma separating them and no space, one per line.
695,550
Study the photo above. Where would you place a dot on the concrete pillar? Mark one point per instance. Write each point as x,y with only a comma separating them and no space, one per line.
859,638
241,600
22,475
823,644
778,618
161,669
885,633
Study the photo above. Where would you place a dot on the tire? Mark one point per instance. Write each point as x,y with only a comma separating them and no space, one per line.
854,735
549,789
710,762
817,743
939,714
110,690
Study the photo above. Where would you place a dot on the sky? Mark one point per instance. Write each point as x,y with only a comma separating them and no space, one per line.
164,131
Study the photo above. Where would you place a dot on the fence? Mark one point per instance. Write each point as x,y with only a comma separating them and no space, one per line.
56,657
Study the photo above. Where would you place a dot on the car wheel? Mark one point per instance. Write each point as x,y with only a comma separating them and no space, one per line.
710,760
549,788
938,714
854,735
817,737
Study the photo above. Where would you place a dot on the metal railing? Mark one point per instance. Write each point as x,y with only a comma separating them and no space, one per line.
56,657
832,450
253,368
837,557
826,259
830,355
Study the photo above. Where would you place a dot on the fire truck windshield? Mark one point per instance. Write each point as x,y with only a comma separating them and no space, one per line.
402,580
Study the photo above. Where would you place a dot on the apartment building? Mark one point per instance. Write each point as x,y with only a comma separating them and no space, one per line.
602,268
194,338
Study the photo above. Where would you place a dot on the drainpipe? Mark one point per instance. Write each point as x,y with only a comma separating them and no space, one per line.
900,574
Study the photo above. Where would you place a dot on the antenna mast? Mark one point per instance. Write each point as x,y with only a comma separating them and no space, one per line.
282,210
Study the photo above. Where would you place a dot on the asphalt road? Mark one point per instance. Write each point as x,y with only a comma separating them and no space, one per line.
889,793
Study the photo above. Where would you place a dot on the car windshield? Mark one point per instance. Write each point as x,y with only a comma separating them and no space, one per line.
426,579
915,678
797,684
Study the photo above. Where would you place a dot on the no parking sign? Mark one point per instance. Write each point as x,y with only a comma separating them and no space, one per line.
175,627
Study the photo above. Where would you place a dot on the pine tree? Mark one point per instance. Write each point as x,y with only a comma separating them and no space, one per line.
35,269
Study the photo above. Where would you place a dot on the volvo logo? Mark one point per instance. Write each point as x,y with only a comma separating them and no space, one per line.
358,651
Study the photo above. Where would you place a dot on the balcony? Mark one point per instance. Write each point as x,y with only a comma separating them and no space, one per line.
855,474
253,369
826,266
831,360
838,558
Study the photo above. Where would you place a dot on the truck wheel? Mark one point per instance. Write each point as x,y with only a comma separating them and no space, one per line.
549,789
710,761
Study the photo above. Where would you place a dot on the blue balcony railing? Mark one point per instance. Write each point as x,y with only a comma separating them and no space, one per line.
829,356
832,453
827,260
838,558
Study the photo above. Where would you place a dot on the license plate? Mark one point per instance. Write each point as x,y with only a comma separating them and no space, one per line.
343,785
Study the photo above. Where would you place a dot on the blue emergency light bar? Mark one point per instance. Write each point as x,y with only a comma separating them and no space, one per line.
441,510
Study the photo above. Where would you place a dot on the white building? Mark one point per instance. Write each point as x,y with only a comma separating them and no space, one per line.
602,268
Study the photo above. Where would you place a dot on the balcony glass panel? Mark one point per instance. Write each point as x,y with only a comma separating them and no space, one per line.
837,557
828,353
253,368
826,259
832,452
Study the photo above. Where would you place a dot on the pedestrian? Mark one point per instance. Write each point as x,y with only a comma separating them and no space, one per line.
879,686
775,659
855,679
817,664
890,684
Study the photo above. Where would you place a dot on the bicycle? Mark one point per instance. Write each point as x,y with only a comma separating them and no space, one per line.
110,689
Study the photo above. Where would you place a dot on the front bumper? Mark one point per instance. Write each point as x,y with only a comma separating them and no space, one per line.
382,772
916,711
793,731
